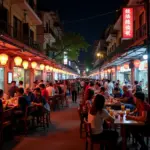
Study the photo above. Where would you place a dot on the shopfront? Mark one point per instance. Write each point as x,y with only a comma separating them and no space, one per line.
49,77
18,74
124,75
38,75
141,74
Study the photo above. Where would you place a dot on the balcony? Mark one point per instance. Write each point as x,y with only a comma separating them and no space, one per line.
14,33
30,9
49,31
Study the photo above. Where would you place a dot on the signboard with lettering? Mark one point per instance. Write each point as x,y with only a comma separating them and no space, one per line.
127,23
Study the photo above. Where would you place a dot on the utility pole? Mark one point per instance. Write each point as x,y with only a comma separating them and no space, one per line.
147,8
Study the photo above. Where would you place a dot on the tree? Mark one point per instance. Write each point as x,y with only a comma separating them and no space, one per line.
72,43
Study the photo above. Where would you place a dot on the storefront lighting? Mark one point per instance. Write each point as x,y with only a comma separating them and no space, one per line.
118,68
3,59
137,63
18,61
33,65
51,68
109,70
145,56
126,66
25,64
113,70
47,67
42,66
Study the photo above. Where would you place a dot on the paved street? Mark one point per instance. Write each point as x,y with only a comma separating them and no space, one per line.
62,135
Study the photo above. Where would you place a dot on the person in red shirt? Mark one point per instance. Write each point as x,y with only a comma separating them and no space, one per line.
44,92
142,110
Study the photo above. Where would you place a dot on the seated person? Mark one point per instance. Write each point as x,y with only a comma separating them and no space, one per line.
29,95
22,103
104,92
96,118
127,98
120,89
143,111
117,93
39,101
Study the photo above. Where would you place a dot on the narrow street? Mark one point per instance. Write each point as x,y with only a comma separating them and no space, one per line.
63,134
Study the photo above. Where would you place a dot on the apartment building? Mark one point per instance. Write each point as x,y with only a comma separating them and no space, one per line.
21,53
125,59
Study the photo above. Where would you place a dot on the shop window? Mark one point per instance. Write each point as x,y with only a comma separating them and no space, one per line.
2,78
18,74
49,76
38,75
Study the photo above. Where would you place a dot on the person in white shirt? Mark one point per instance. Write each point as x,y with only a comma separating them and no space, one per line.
110,87
96,118
50,89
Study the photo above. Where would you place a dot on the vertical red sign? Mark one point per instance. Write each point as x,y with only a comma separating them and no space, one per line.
127,23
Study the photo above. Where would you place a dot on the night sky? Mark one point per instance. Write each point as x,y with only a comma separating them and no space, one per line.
91,29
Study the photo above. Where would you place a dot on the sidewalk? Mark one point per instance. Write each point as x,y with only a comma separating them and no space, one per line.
63,134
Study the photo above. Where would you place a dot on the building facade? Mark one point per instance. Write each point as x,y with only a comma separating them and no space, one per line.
21,54
127,59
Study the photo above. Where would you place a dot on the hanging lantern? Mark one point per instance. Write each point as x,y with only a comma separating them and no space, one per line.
145,65
47,67
109,70
126,66
113,70
137,63
118,68
3,59
42,66
25,64
33,65
18,61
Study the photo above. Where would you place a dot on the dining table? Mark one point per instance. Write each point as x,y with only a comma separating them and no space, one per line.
120,119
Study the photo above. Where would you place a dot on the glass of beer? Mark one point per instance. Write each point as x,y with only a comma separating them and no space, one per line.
111,112
127,111
122,107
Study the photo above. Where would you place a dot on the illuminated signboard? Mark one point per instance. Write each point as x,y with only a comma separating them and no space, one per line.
127,23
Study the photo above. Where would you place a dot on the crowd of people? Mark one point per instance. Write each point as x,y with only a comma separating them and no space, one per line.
94,95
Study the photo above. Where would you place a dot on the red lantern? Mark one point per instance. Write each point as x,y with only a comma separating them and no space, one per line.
113,70
137,63
126,66
118,68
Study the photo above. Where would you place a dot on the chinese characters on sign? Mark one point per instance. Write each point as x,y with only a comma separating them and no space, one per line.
127,23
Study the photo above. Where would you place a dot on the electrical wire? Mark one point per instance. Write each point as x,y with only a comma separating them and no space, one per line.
89,18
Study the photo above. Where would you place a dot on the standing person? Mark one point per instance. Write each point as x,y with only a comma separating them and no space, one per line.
50,89
12,89
21,84
44,91
137,87
110,87
74,91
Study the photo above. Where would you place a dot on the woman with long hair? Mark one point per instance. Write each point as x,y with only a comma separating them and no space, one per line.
96,117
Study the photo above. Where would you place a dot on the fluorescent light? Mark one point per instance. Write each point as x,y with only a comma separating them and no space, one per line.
145,56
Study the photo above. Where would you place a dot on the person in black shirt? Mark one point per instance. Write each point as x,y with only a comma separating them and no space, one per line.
12,89
22,103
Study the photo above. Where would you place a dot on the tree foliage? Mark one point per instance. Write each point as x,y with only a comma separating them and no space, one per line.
72,43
